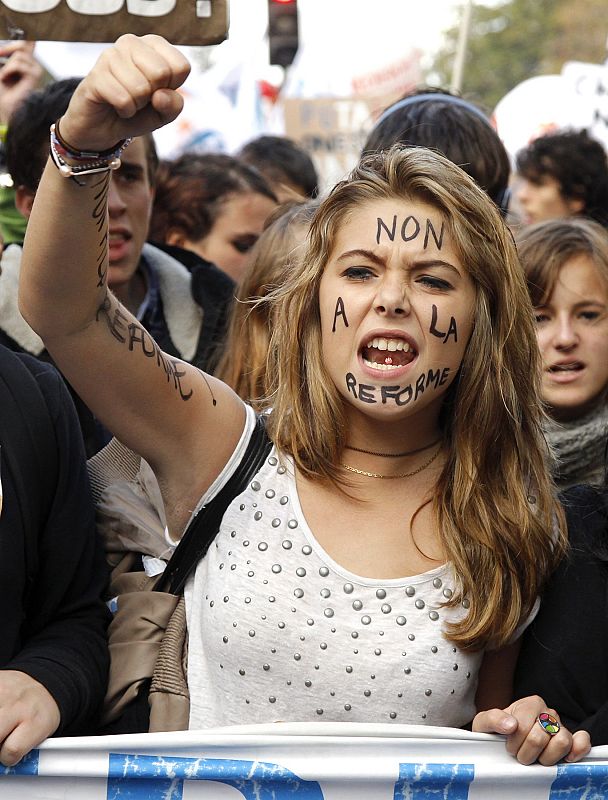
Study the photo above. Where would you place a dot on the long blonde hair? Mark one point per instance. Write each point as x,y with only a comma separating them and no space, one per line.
243,361
499,522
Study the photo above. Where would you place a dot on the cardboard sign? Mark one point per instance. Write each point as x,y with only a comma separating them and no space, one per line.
184,22
331,130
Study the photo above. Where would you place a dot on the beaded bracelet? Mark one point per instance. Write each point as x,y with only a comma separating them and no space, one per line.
88,162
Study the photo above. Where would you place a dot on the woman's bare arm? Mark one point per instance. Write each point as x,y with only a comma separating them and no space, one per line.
186,424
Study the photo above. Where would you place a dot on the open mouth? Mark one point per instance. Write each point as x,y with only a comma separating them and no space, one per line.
573,366
387,354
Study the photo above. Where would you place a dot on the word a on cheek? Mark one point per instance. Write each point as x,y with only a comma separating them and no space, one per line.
339,312
409,230
445,335
399,395
134,335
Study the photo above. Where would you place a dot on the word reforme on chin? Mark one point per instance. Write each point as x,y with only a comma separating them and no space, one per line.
400,395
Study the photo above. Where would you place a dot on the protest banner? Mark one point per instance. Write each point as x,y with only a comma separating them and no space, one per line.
307,761
590,83
187,22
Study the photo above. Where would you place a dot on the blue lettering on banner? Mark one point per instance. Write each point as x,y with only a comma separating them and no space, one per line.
27,766
133,777
432,781
580,782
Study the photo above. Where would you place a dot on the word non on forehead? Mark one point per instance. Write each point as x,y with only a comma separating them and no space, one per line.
409,229
399,395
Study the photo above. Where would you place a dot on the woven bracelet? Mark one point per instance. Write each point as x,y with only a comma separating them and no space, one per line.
88,162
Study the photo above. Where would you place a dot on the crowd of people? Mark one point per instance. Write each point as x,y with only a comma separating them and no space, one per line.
425,538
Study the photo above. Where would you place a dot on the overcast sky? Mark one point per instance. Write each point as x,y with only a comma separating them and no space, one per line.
371,31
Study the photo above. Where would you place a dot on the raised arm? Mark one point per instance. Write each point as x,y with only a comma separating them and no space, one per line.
184,423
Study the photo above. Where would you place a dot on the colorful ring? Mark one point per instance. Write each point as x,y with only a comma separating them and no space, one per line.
549,723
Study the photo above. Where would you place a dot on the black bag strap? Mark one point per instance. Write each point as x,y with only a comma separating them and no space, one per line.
203,529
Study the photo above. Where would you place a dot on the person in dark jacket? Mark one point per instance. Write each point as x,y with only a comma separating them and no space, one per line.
182,305
53,651
564,656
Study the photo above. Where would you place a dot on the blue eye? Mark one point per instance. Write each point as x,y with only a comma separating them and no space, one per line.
590,316
358,273
434,283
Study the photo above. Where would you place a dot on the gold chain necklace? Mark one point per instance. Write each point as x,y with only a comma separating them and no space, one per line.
392,455
394,477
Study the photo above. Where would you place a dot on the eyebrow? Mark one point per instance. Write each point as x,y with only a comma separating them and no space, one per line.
418,264
369,254
127,166
576,306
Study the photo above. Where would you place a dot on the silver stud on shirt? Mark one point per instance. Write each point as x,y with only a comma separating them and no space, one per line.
419,603
386,609
348,588
357,605
380,594
257,516
292,524
286,545
300,572
365,619
255,485
262,547
270,493
410,591
307,550
276,522
433,615
401,620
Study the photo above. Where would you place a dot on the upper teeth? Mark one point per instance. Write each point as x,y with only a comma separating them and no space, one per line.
389,344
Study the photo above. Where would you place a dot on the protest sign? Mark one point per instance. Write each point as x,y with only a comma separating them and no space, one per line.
307,761
187,22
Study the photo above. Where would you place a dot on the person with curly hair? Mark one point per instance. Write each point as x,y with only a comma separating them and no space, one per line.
563,174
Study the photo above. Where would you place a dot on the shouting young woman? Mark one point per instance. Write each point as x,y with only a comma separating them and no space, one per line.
383,563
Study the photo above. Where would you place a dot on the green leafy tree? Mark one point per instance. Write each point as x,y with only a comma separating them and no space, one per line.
512,40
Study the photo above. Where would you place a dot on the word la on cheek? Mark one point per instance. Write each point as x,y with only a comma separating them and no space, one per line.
451,331
339,312
410,229
399,395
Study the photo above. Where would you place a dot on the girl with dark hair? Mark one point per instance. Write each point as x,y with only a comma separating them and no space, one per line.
212,204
